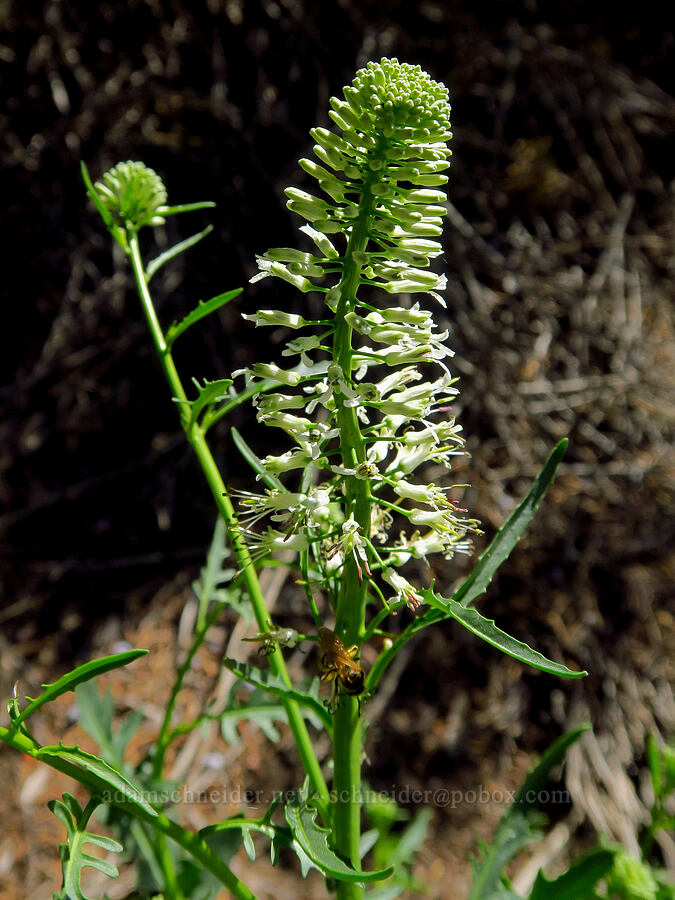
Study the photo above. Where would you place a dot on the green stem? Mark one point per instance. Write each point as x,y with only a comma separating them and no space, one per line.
189,841
197,440
351,604
171,886
165,735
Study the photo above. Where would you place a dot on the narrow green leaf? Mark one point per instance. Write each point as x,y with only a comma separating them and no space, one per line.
254,462
275,686
185,207
117,782
71,680
510,533
174,251
117,232
204,308
654,763
486,629
488,563
578,881
538,776
104,842
94,197
313,841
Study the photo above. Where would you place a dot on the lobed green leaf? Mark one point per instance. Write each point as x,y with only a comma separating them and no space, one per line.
70,681
312,841
203,309
278,688
486,629
114,779
73,856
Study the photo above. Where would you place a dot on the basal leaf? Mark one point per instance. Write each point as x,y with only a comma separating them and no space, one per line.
578,881
204,308
312,840
263,715
413,837
117,782
71,680
96,714
486,629
96,718
512,835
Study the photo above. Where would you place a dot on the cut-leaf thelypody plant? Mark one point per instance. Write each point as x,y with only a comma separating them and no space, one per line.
365,394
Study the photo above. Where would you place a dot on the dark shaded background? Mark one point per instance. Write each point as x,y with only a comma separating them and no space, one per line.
559,255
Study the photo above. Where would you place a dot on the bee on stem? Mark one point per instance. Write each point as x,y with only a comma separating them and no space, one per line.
339,664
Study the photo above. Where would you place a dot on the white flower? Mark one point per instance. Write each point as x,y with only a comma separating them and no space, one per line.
292,459
273,372
421,493
276,317
351,542
301,346
277,541
405,592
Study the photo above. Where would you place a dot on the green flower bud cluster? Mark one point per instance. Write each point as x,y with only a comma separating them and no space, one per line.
132,194
385,165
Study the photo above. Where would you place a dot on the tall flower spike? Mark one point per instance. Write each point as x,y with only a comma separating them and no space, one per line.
373,224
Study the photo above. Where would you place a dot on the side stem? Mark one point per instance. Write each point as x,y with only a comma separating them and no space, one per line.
197,440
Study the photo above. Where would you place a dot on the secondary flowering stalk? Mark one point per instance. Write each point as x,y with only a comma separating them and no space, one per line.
376,226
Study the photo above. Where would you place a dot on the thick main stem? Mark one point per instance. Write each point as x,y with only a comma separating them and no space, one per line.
197,440
351,605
